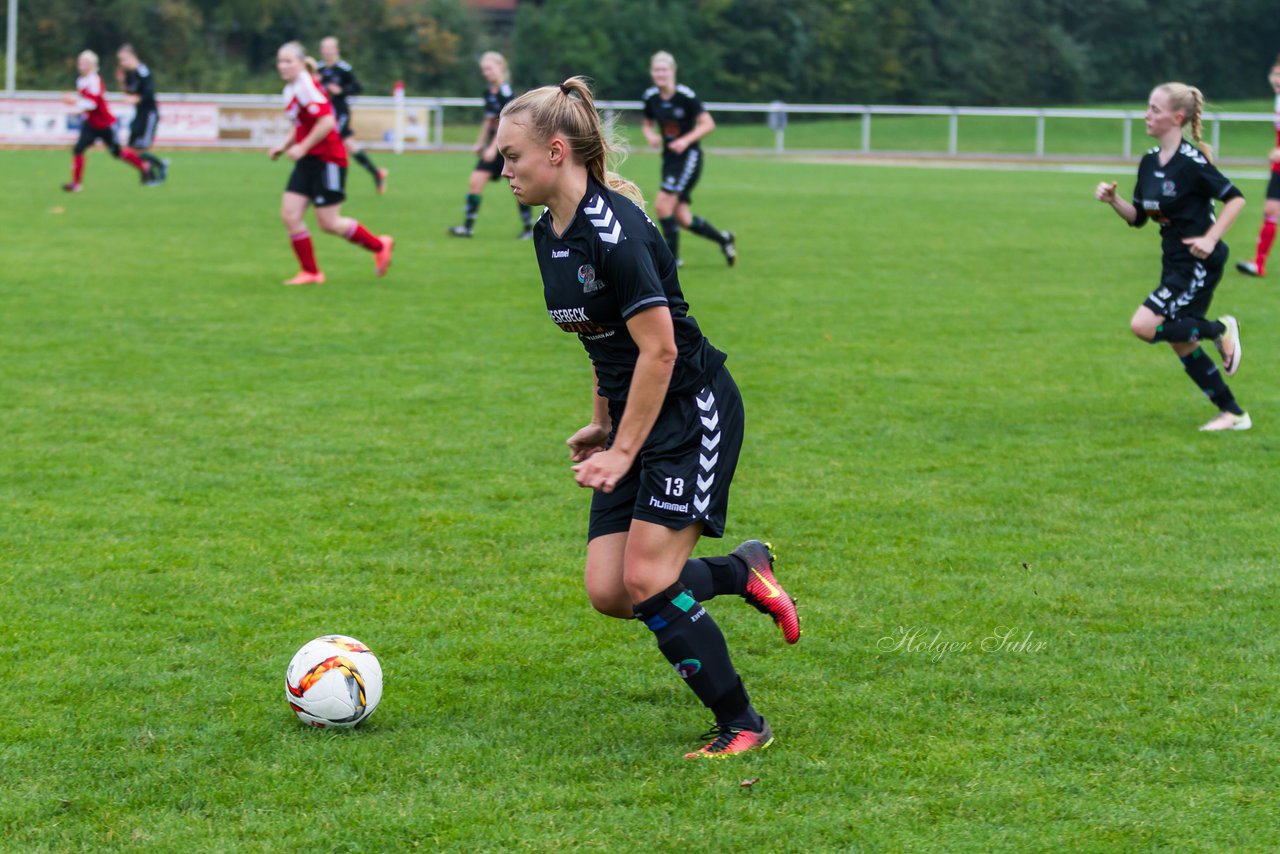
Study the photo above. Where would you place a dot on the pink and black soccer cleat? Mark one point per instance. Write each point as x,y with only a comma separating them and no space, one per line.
763,590
729,741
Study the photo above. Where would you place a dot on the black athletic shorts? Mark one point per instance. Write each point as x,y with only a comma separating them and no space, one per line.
142,131
1273,186
1186,287
323,183
682,474
90,135
680,172
344,125
494,167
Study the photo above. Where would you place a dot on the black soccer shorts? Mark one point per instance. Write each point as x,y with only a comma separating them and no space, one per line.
90,135
1273,187
682,474
1186,288
142,131
323,183
680,173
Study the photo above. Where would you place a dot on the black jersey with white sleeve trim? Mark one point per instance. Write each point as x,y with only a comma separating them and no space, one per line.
1179,196
140,82
344,76
610,264
674,117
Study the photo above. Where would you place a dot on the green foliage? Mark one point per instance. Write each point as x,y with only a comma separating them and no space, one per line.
950,429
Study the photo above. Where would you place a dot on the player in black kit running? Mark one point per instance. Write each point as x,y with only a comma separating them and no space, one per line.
667,419
340,82
1176,187
140,90
493,66
677,113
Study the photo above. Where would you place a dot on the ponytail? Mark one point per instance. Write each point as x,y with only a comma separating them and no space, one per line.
296,48
569,110
1190,102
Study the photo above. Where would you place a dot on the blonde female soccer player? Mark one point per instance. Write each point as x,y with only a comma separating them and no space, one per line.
1177,187
319,174
666,417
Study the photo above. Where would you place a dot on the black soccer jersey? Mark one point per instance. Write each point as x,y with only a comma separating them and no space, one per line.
340,72
1179,196
140,82
611,263
675,117
493,104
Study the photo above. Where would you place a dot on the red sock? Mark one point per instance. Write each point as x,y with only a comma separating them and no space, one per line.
1265,238
305,251
129,156
360,235
77,168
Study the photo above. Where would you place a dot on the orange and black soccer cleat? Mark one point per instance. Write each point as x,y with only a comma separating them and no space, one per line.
730,741
382,261
763,590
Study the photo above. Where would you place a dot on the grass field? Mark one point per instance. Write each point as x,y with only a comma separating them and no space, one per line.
952,436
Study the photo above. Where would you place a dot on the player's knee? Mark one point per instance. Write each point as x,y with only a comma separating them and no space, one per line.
608,596
1142,328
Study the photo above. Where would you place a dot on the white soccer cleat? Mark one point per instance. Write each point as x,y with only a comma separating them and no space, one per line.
1228,421
1228,344
1249,268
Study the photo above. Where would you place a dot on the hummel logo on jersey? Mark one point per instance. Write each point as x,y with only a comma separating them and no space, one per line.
559,253
773,591
603,219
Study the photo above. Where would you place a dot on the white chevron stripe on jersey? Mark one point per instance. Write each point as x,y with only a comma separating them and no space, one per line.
710,441
602,218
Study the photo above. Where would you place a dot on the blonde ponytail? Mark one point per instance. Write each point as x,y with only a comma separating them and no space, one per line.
1190,102
569,110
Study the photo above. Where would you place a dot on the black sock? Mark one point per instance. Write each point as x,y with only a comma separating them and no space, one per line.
701,227
692,642
671,231
709,577
526,216
473,205
363,160
1180,329
1205,374
150,158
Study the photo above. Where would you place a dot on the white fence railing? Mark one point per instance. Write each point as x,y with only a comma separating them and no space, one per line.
253,120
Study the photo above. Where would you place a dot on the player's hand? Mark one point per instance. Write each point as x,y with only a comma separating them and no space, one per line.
295,152
334,88
677,145
1201,247
275,152
602,470
1106,192
490,153
1274,156
653,139
587,441
69,98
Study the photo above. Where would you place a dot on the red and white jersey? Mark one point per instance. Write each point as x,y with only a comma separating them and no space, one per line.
1275,167
306,103
92,101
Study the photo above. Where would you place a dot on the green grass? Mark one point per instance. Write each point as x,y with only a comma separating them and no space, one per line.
950,429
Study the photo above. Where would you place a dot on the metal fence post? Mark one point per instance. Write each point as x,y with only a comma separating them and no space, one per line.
866,131
953,134
1217,138
1128,137
1040,135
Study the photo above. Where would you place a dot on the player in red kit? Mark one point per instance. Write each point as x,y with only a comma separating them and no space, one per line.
96,121
1271,212
320,169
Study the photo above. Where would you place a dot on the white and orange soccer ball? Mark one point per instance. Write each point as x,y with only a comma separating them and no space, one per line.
333,682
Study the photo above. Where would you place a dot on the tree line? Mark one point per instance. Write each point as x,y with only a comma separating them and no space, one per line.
963,52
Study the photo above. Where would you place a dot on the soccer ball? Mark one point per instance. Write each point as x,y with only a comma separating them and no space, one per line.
333,681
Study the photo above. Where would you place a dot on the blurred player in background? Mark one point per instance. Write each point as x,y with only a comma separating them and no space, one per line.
97,124
666,422
340,83
1177,186
1271,212
675,120
140,90
493,66
320,169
